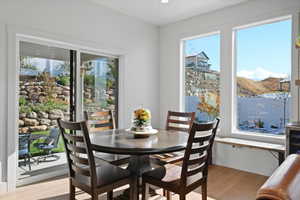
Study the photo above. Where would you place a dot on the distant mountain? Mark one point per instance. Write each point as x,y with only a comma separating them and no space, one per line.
248,87
197,80
273,84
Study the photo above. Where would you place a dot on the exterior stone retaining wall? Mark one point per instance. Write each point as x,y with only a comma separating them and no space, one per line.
199,81
37,92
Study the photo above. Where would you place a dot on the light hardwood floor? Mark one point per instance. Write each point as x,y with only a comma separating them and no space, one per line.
223,184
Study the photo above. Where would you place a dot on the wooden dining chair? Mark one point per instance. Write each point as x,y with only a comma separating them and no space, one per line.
194,170
177,121
180,121
102,121
83,172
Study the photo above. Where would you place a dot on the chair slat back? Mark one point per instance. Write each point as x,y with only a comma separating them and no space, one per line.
78,150
24,142
198,150
100,121
53,137
180,121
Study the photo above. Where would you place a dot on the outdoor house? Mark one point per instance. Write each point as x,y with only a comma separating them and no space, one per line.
198,61
150,100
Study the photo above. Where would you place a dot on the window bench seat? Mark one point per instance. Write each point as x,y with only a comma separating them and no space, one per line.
279,148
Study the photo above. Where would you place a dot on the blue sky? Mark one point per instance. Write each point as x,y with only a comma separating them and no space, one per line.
262,51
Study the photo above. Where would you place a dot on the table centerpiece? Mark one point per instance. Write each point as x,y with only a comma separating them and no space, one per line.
141,122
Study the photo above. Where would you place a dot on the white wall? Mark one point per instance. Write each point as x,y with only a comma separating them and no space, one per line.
84,23
245,159
3,109
222,20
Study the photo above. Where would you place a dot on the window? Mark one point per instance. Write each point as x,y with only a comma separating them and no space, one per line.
202,77
263,77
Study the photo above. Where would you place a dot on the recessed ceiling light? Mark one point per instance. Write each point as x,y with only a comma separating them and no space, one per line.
164,1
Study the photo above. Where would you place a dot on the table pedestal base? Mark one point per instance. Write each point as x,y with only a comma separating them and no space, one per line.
139,164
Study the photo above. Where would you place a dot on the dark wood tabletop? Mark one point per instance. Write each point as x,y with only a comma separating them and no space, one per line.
123,142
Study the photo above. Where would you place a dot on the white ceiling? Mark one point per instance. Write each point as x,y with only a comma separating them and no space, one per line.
160,14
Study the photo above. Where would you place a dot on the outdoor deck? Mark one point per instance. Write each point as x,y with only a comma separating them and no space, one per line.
41,170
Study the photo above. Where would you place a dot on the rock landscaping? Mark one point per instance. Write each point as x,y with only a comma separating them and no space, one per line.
38,111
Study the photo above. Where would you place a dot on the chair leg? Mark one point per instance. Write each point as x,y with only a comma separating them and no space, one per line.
169,196
145,190
72,191
94,196
29,165
182,197
110,195
204,190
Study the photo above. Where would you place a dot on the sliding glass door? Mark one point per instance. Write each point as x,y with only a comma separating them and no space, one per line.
47,82
45,94
99,78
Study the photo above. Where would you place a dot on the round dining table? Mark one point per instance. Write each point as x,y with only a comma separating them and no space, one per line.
121,141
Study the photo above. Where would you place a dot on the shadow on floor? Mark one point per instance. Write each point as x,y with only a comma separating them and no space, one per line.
83,196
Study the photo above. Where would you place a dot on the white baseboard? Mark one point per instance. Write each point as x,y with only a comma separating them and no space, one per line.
3,187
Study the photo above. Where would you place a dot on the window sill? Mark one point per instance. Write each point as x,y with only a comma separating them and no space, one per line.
251,144
272,139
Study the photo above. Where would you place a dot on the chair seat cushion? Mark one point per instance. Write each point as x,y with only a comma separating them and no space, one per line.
168,174
170,157
44,146
106,174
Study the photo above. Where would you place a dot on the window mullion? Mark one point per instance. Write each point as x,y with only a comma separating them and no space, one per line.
226,83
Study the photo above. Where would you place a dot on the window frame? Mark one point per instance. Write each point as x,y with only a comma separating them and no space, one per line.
228,76
234,132
182,65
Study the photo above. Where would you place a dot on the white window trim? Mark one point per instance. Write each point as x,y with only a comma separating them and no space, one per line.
254,135
182,64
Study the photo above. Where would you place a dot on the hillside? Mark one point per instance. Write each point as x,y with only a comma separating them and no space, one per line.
246,87
273,84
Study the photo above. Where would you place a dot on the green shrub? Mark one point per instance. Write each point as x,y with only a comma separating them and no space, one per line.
25,109
63,80
260,124
24,106
110,84
89,80
22,101
110,101
50,105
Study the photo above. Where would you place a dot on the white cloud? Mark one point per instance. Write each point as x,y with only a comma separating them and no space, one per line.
260,74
